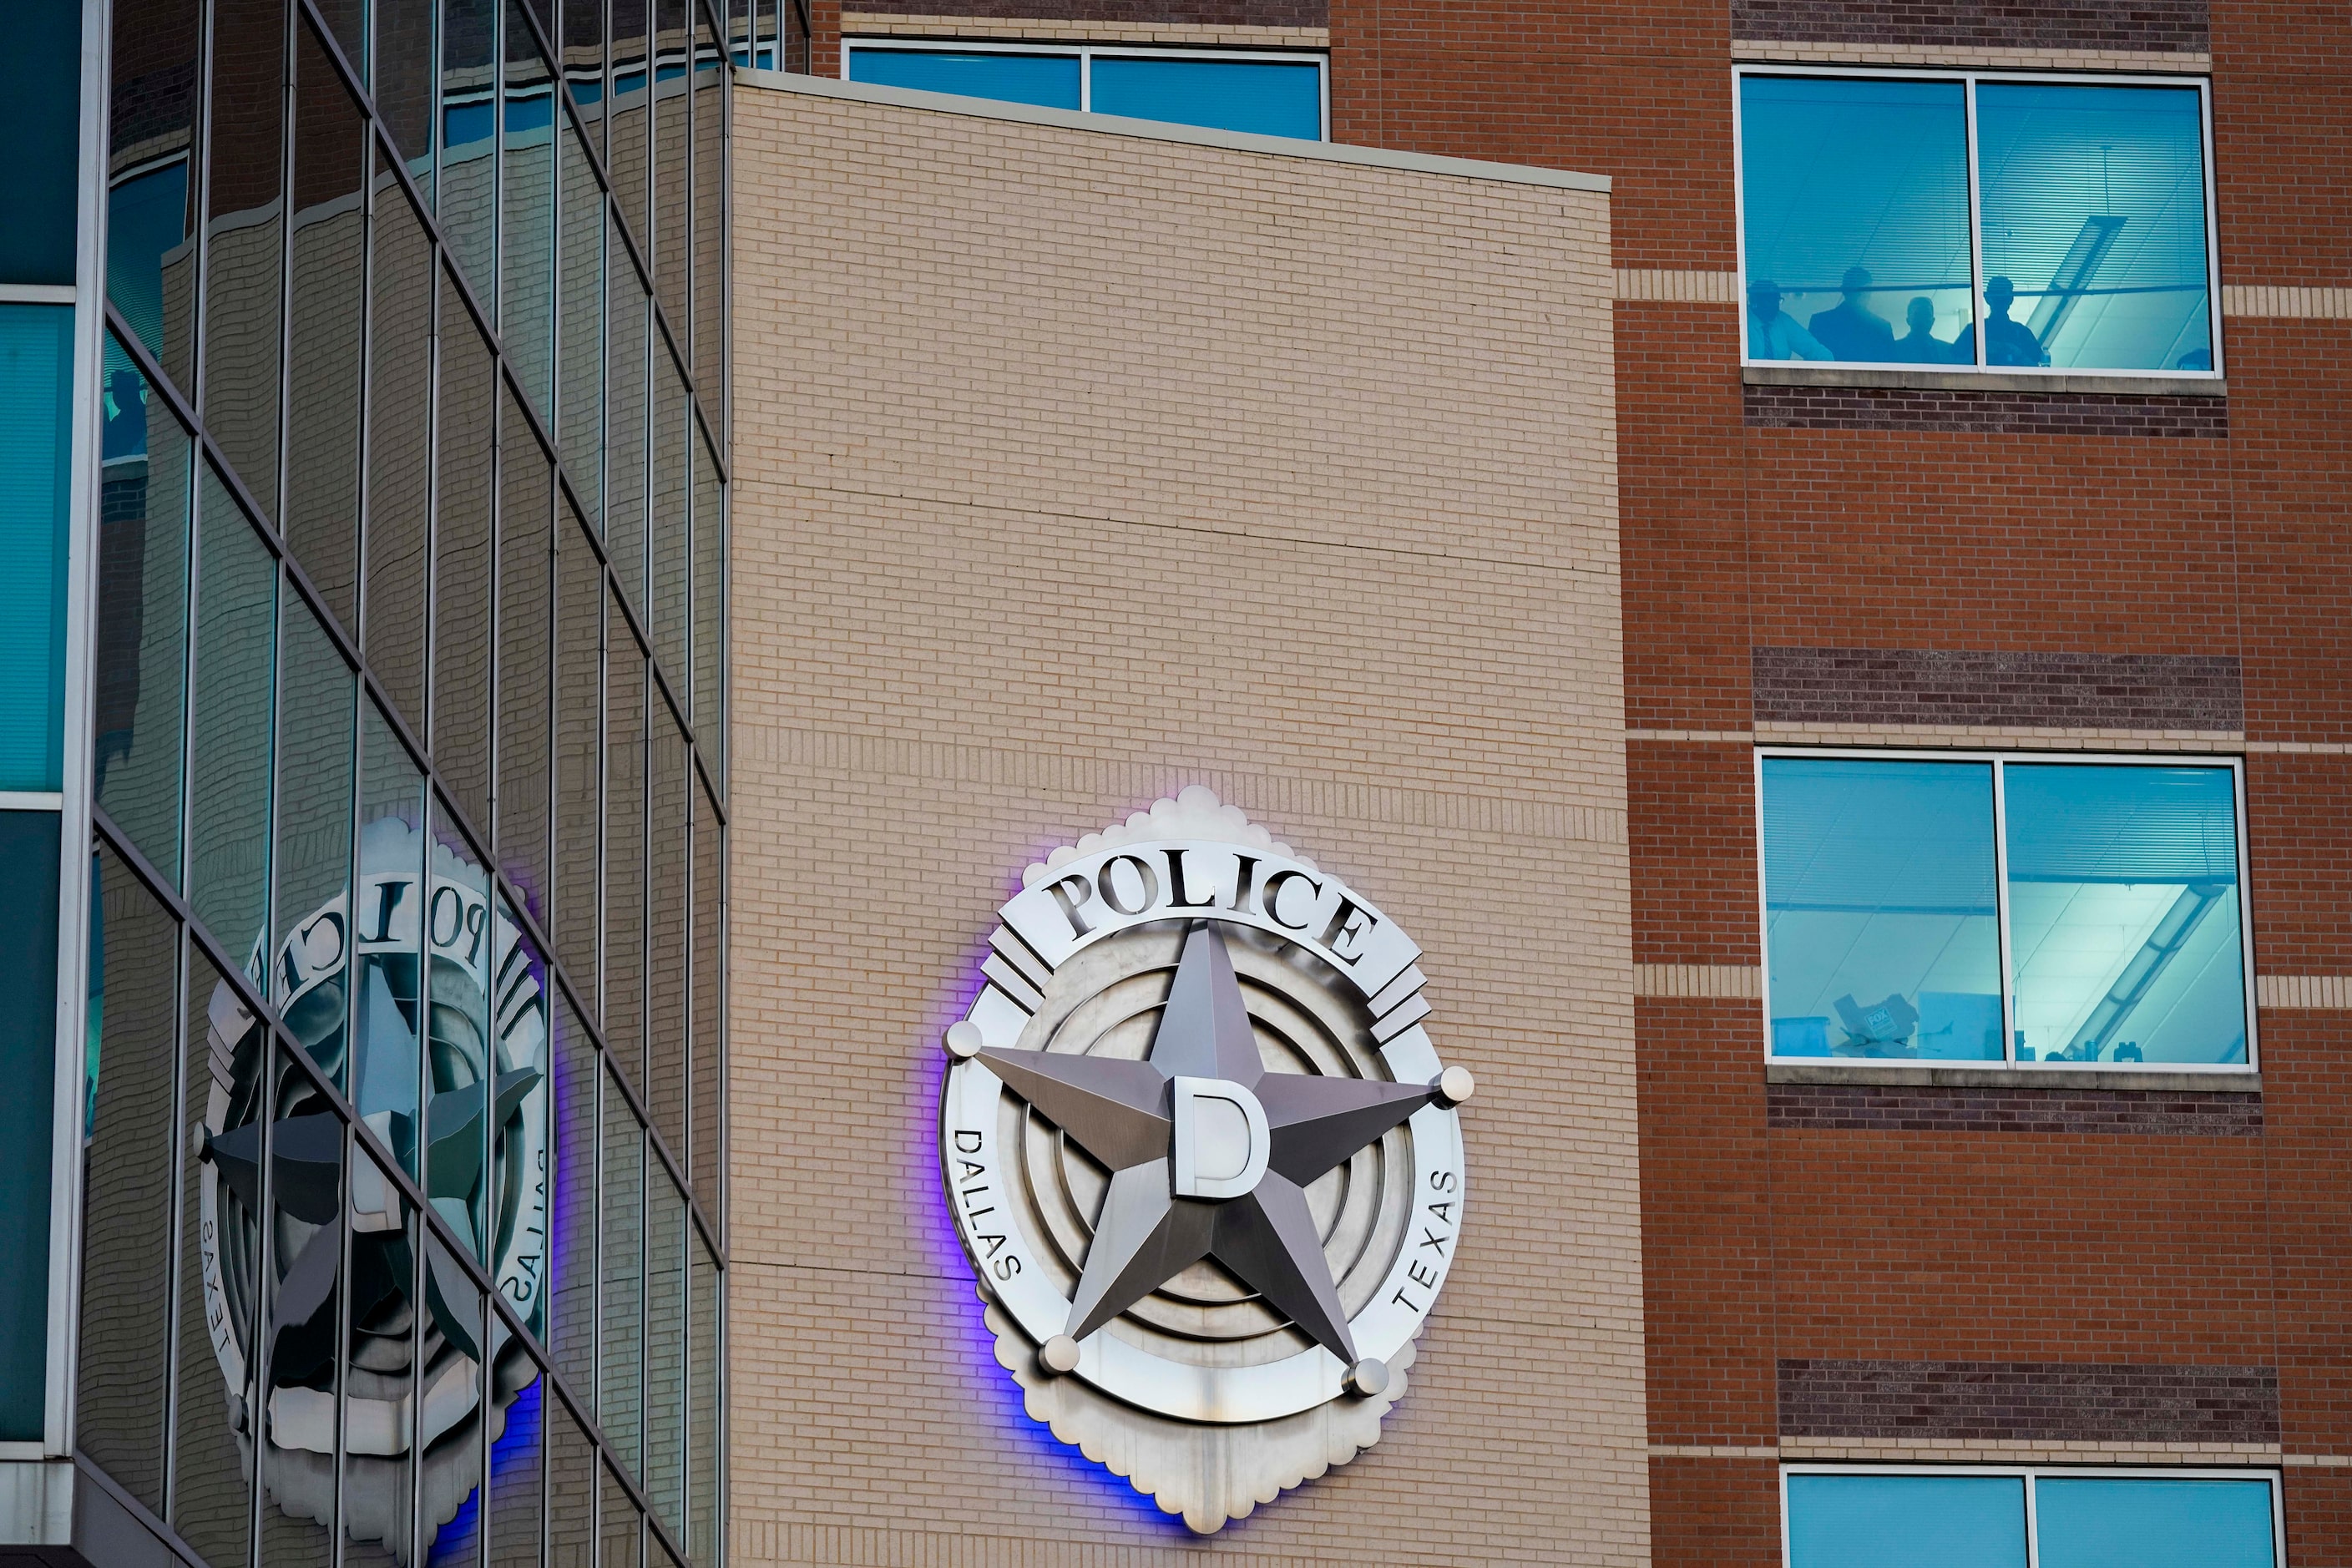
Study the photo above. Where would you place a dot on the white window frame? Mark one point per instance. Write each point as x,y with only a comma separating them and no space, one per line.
1089,53
1969,80
2065,1472
2008,1060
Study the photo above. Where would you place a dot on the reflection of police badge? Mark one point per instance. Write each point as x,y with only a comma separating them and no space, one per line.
354,992
1203,1156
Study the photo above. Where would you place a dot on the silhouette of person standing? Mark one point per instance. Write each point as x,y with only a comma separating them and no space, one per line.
1920,345
1773,332
1849,329
2006,341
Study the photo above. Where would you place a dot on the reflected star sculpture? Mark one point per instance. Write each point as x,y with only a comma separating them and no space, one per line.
1209,1155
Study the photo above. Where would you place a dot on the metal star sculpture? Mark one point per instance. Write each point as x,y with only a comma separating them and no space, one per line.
1147,1122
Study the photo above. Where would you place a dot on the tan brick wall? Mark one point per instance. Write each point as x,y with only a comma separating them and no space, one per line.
1073,468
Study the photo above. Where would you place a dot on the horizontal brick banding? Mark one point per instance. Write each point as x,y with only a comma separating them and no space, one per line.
1889,1107
1214,12
2046,690
1961,1401
2159,26
1990,413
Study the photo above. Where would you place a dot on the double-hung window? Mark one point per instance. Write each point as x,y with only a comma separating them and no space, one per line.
1985,1518
1978,222
1271,94
2036,910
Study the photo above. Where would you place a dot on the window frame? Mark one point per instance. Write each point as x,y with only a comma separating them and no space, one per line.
1087,53
1969,80
2031,1473
1998,759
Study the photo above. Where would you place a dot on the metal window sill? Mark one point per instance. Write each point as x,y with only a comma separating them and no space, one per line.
1921,1076
1981,381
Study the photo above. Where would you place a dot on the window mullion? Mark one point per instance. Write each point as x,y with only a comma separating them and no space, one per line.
2000,905
1976,269
2033,1523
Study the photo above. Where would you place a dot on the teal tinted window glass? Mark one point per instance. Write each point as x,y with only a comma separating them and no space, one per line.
2118,1522
1882,928
2093,204
40,124
1050,81
146,225
36,468
1273,98
28,978
1854,207
2124,913
1906,1522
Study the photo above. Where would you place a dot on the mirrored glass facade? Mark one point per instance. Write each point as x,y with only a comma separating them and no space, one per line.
406,1112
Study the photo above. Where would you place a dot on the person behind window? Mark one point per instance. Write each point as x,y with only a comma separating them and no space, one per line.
2006,341
2195,358
1849,329
1920,345
1773,332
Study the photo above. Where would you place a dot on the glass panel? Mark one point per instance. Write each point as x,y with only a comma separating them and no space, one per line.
1906,1522
151,218
579,752
625,848
381,1353
709,1087
228,785
623,1526
709,632
671,582
40,124
1855,214
2093,213
582,351
306,1261
710,194
2113,1522
1049,81
673,175
583,65
665,1309
28,978
629,133
329,319
621,1403
624,459
572,1475
667,962
467,203
244,240
404,81
308,945
347,21
457,1331
219,1267
525,658
462,562
142,620
518,1476
126,1264
388,935
527,254
573,1331
460,1098
35,480
2124,913
400,447
704,1474
518,1200
1882,925
1268,97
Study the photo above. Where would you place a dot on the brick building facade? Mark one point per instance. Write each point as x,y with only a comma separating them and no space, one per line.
1899,1263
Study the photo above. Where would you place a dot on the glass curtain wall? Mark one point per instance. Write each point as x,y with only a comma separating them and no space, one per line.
405,1127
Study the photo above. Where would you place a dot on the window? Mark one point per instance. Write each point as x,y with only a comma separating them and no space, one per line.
2028,909
1966,221
2030,1518
1273,95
